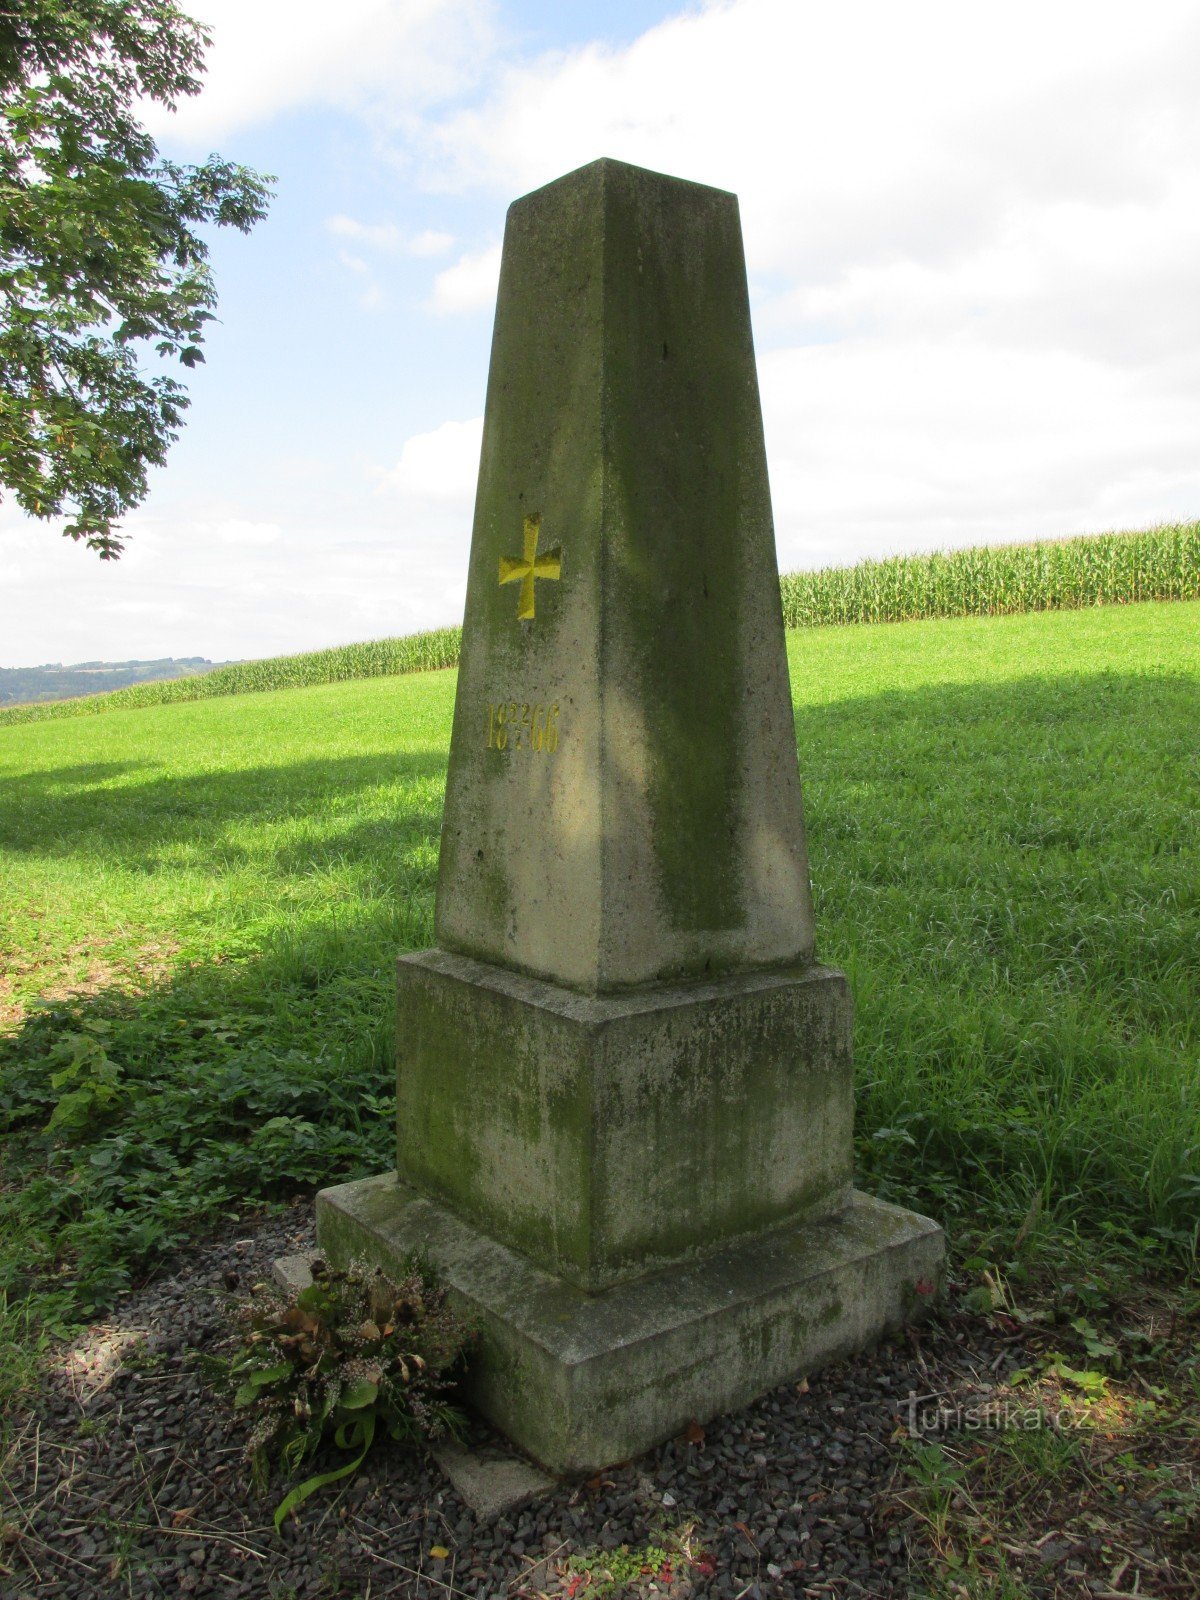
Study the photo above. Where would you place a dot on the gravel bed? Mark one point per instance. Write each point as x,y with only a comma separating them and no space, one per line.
125,1477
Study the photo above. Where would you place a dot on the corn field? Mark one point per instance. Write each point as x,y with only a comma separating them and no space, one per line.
993,581
985,581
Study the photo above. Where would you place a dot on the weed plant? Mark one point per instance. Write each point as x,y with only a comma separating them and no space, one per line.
201,904
353,1355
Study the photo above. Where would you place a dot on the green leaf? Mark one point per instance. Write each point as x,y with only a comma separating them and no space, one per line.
1093,1384
357,1395
899,1135
100,253
310,1485
261,1379
349,1434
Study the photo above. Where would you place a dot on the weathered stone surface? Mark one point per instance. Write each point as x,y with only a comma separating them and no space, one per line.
580,1381
492,1481
624,1088
292,1273
604,1135
623,591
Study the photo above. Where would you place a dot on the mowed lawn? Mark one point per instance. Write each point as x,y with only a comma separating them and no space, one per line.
200,905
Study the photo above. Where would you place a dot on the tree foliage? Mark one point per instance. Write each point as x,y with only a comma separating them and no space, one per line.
100,258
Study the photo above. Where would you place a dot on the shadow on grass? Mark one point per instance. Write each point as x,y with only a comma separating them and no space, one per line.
136,1119
1010,874
133,814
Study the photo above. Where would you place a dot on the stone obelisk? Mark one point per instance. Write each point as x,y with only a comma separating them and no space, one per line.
624,1085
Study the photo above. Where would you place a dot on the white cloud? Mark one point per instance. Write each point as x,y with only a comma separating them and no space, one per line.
876,449
973,239
371,295
272,56
430,243
225,588
440,466
238,531
470,284
387,236
865,127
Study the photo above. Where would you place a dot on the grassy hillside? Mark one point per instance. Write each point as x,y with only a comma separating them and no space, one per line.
201,904
1054,575
380,658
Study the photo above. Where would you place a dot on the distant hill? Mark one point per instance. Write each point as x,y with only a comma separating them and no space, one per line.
26,685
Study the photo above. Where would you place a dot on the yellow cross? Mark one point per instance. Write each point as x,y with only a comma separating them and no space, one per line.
531,568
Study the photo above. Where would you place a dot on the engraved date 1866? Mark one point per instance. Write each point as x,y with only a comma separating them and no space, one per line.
516,725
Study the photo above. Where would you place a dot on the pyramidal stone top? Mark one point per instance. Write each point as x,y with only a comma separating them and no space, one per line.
623,803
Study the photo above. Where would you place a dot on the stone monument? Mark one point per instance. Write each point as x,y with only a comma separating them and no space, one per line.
625,1091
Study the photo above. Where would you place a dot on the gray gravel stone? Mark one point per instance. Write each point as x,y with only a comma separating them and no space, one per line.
798,1477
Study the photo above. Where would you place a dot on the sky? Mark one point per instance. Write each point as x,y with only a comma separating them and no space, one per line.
972,238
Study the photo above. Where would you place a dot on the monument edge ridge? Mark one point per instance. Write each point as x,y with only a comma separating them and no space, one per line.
608,163
586,1005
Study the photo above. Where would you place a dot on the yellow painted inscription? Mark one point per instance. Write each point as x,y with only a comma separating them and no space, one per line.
530,568
516,725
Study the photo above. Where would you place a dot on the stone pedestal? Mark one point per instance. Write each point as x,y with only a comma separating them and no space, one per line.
624,1092
606,1135
644,1198
581,1381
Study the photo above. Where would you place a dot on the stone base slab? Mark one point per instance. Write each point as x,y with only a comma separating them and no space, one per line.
293,1274
493,1481
579,1381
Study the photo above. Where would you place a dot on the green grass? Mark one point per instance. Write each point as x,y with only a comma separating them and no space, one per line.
1160,563
1004,823
258,863
1006,856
